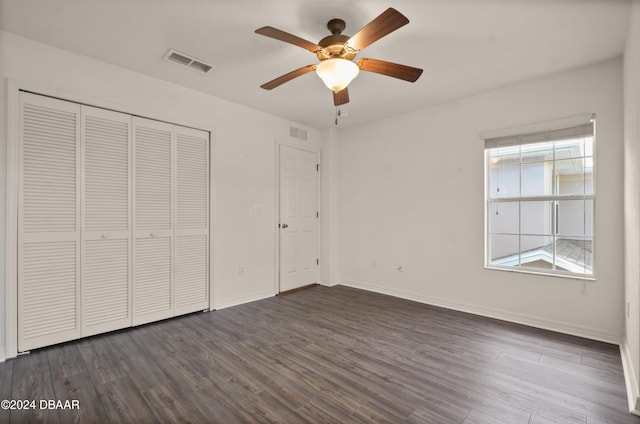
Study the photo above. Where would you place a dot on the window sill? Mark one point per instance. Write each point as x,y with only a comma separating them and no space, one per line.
541,272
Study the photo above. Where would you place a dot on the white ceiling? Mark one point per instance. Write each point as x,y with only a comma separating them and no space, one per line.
464,46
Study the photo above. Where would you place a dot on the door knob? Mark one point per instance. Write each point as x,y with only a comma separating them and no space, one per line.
285,226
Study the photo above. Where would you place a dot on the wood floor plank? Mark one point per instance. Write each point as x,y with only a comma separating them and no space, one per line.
145,374
477,416
123,403
266,408
182,374
65,360
172,406
34,386
542,419
219,407
330,407
100,360
325,355
78,387
6,383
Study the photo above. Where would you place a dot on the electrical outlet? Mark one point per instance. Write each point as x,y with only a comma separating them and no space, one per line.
241,270
374,264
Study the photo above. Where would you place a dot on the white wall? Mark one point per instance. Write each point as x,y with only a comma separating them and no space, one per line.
412,196
631,342
330,272
244,155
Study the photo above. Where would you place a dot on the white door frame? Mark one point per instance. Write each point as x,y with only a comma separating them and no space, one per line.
13,87
313,149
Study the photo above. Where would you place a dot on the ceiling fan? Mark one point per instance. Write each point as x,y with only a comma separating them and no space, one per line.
337,51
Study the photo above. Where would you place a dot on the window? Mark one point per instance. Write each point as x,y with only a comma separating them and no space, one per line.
540,201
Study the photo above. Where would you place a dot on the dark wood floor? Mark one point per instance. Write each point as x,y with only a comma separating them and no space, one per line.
335,355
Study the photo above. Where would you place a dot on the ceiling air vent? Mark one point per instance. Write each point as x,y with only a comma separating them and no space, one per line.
188,61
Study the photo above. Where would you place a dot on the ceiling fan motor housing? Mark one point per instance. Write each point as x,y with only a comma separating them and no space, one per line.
334,46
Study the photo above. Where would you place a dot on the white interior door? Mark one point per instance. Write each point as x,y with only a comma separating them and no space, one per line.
48,222
106,221
298,227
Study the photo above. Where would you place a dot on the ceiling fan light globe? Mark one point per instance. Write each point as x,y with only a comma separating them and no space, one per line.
337,73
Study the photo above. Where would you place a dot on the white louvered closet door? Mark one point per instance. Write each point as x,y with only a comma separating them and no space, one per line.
192,220
106,226
48,222
153,172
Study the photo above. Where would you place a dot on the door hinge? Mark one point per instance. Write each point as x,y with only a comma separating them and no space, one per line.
317,261
317,214
317,167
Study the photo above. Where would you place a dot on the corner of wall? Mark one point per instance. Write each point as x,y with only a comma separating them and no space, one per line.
239,300
630,347
633,395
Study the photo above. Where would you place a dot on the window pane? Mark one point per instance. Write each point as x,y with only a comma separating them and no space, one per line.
574,255
588,218
536,252
588,146
535,218
504,218
566,149
505,181
570,220
538,152
503,249
588,169
504,156
537,179
573,177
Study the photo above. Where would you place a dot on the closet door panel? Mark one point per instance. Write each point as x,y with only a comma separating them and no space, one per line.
106,219
48,222
192,222
153,175
192,274
105,286
153,283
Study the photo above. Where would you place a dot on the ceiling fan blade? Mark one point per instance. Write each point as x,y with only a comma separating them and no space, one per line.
341,97
403,72
387,22
288,77
288,38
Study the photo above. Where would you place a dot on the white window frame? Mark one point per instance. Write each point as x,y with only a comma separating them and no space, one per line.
528,136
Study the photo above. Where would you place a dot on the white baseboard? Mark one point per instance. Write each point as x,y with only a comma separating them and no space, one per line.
328,283
630,381
560,327
227,303
3,354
